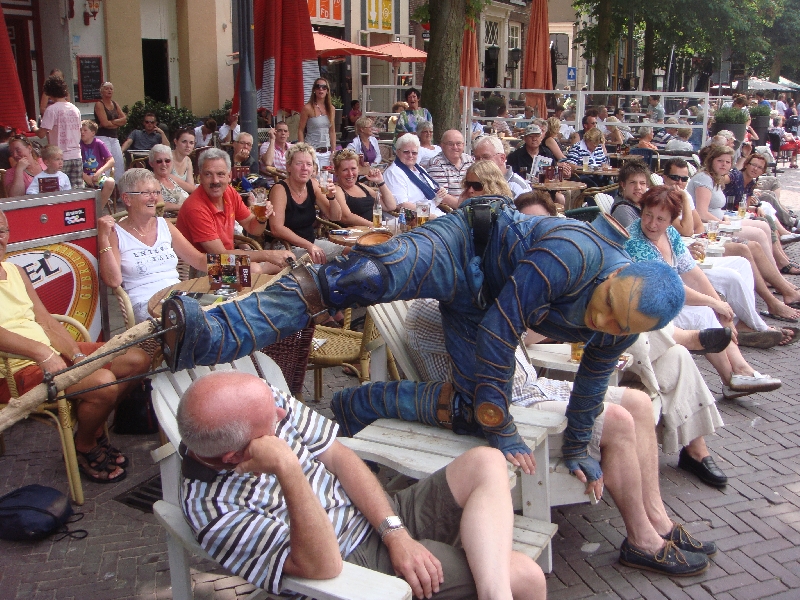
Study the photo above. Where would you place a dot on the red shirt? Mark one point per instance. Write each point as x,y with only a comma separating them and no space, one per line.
199,220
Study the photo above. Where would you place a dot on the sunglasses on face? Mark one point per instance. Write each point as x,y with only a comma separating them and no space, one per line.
162,161
320,86
475,186
149,122
683,178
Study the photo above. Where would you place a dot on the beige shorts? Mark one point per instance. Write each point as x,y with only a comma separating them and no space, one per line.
433,518
613,396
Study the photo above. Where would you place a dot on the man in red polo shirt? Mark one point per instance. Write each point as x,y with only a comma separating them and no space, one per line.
207,216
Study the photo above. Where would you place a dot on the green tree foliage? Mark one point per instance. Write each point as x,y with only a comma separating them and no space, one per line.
744,29
173,118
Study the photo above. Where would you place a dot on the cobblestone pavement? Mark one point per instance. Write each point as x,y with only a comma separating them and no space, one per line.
755,520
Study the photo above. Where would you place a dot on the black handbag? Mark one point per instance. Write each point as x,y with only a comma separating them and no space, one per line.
35,512
135,414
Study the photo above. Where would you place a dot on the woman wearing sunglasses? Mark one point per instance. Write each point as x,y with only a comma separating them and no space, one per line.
409,183
161,162
484,178
317,122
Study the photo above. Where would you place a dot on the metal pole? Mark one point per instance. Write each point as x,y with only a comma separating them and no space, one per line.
248,119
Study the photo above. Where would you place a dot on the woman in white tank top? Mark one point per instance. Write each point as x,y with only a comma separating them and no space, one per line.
317,122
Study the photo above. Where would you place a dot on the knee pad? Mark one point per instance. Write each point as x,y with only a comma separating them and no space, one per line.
356,280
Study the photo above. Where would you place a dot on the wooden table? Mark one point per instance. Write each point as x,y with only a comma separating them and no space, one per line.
202,285
556,357
351,239
613,172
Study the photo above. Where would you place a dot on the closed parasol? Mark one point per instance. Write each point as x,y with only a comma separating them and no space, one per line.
285,59
12,103
536,71
470,71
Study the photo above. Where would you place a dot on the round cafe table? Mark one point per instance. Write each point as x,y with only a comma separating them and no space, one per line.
613,172
202,285
351,238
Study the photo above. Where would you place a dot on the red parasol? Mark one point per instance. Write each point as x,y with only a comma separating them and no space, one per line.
327,46
286,61
536,72
12,104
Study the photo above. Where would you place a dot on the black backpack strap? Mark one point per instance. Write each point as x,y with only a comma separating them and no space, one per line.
482,219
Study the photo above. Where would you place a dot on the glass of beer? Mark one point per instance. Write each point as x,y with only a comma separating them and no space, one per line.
700,250
323,181
585,163
576,351
258,204
743,208
712,227
423,213
377,216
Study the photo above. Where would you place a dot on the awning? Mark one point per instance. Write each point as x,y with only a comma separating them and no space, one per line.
756,84
789,83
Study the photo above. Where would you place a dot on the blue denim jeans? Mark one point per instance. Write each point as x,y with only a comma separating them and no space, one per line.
537,272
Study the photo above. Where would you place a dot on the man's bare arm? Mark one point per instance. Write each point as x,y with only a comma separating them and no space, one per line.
313,547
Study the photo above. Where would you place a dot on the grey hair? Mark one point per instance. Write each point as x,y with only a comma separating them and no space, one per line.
407,139
159,149
213,154
643,131
364,121
297,149
211,442
106,84
425,126
493,141
132,178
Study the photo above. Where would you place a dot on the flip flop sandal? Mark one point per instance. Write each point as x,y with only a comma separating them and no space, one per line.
795,336
787,269
112,451
766,313
97,462
760,339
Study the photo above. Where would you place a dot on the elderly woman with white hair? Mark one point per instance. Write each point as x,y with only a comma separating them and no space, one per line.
160,159
646,139
410,183
427,149
365,143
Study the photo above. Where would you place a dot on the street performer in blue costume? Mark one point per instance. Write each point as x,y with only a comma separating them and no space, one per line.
495,272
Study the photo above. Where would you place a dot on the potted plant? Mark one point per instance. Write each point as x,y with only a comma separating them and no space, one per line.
731,118
338,105
760,116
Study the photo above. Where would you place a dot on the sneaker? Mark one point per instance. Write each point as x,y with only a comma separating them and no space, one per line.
686,541
754,383
670,560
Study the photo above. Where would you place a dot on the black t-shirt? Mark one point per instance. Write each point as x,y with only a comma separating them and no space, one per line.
300,218
520,158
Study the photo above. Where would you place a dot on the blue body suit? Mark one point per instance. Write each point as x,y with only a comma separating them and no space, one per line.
537,272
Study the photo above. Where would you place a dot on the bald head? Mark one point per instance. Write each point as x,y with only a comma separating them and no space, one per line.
221,412
452,143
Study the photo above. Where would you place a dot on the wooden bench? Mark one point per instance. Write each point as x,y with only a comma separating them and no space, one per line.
354,583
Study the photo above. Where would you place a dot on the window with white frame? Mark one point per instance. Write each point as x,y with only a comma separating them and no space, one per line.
491,33
513,36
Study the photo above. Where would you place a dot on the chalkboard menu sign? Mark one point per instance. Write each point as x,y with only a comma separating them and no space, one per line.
90,78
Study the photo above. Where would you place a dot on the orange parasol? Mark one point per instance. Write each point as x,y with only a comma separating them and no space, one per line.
536,72
470,73
327,46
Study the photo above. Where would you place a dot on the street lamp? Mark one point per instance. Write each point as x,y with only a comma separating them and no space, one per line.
514,56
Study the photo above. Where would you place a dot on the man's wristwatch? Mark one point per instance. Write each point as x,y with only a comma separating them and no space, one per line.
389,524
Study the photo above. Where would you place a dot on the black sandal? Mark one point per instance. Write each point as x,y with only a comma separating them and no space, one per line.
114,453
96,463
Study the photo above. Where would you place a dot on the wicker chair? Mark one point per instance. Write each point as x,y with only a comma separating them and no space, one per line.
61,413
341,347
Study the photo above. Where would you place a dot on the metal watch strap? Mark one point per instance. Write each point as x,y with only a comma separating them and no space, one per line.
390,523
